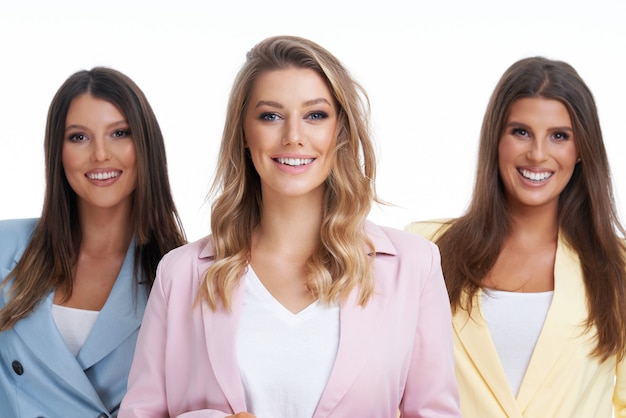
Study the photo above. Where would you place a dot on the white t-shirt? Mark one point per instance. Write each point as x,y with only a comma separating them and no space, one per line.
285,359
515,321
74,325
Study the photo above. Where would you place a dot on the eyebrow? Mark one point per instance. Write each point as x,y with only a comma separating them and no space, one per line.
527,127
109,126
280,106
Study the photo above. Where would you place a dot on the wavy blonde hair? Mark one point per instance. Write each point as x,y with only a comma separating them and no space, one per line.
342,261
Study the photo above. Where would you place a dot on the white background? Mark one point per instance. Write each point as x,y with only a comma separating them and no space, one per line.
429,68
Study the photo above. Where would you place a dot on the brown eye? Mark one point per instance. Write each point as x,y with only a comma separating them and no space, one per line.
77,138
121,133
519,132
560,136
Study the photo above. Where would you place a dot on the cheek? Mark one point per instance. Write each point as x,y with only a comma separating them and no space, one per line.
129,155
67,159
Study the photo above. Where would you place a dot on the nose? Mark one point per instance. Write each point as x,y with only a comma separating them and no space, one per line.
537,151
293,134
100,150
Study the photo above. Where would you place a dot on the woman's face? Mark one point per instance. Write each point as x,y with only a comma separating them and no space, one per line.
290,126
99,156
537,153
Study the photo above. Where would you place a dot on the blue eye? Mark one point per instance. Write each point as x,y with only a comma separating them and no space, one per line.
317,115
269,116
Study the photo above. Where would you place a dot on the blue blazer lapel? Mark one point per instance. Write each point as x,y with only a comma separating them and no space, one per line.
120,316
40,334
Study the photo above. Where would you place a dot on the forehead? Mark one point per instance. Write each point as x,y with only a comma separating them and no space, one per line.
89,108
290,83
539,110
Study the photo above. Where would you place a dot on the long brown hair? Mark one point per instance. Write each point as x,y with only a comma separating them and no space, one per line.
342,262
587,216
49,259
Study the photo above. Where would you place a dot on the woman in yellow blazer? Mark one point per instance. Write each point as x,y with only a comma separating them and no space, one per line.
535,269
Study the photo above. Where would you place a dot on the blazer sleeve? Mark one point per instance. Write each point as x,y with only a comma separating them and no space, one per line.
431,389
147,395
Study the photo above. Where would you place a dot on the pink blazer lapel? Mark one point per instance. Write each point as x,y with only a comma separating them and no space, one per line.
220,328
360,329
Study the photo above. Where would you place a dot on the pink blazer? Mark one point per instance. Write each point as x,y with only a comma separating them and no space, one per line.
395,354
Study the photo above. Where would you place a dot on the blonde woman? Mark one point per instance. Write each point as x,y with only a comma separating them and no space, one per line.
296,306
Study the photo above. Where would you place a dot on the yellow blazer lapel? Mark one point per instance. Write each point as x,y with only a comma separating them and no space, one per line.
564,322
472,334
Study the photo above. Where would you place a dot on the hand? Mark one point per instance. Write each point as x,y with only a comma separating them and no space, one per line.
242,415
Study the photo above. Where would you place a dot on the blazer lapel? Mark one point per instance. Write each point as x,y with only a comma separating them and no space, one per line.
41,336
358,334
220,329
474,337
120,316
359,328
565,319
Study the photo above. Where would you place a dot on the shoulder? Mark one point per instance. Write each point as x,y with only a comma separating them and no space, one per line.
430,229
388,240
188,254
16,229
408,251
14,236
405,261
185,261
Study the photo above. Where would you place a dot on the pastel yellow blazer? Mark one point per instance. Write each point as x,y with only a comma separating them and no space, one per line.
562,380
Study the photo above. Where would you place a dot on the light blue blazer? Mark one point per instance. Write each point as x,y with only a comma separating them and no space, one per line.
39,376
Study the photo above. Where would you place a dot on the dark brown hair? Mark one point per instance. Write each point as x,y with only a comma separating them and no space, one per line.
587,216
51,254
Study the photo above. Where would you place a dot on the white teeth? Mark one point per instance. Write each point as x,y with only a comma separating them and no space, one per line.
531,175
295,161
103,176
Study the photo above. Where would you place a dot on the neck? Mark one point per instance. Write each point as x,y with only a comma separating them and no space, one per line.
290,226
105,232
536,223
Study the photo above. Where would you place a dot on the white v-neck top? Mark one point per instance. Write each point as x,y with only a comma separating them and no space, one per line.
74,325
515,321
285,359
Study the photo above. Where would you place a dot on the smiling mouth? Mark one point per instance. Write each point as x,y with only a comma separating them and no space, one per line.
103,176
294,162
533,176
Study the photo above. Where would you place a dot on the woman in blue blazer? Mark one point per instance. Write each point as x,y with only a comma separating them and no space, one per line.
74,283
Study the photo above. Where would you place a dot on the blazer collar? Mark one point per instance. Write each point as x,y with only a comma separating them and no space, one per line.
220,328
375,233
358,332
565,321
41,336
120,316
474,337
